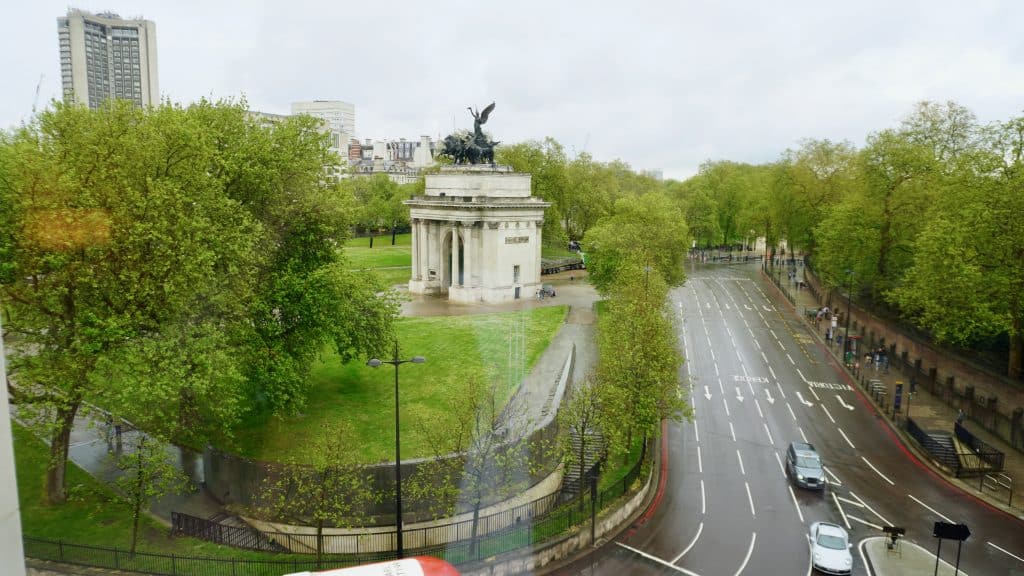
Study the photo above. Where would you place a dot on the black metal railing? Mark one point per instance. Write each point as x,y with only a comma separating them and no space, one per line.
984,451
942,452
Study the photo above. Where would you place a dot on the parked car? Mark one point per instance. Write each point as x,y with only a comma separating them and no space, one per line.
803,466
830,548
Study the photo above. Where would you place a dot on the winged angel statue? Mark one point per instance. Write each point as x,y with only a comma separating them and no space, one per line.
475,148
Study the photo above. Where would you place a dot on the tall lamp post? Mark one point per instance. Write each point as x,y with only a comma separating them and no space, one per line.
375,363
849,300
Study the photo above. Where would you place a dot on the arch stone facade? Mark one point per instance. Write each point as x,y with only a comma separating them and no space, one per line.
476,235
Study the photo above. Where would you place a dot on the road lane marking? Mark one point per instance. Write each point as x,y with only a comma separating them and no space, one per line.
713,359
740,458
753,538
864,522
843,403
779,460
700,529
779,386
721,388
773,334
770,439
700,462
768,393
835,479
851,502
758,404
796,504
791,413
829,414
707,393
739,395
750,497
781,346
657,560
801,375
933,510
732,431
770,369
758,344
703,499
1005,551
800,397
790,359
815,394
873,511
802,435
841,511
845,437
891,483
716,369
726,403
696,434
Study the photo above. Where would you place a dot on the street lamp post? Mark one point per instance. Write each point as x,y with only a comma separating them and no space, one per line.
849,300
375,363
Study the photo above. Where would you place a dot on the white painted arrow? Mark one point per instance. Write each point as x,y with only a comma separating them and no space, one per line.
802,401
726,305
739,395
843,404
768,393
747,307
707,393
768,308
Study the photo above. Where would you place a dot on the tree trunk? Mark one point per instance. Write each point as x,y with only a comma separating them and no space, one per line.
137,508
1016,360
371,239
476,520
394,229
60,441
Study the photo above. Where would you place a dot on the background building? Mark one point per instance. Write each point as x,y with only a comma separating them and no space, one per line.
103,56
339,118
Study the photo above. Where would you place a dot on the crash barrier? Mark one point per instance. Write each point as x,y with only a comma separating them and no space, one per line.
997,482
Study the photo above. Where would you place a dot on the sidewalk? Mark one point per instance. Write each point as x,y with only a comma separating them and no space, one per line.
92,445
930,413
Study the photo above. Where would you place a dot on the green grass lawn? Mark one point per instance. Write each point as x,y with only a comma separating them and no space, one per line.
392,264
457,348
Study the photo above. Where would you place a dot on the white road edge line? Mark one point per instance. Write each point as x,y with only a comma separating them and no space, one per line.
863,558
841,511
750,497
753,539
845,438
872,466
657,560
700,529
797,504
769,432
933,510
873,511
1008,553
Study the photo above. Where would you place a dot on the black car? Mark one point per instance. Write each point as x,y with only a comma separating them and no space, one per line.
803,466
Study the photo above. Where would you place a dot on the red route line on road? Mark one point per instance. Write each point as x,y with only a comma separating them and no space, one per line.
662,482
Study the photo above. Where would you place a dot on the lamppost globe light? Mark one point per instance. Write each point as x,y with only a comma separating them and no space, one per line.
374,363
418,360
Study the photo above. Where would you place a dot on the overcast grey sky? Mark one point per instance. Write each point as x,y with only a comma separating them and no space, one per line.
657,84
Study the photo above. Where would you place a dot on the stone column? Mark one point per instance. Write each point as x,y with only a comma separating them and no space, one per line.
469,255
416,249
455,254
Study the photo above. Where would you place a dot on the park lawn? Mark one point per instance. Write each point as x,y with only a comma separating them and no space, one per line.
458,349
94,515
392,277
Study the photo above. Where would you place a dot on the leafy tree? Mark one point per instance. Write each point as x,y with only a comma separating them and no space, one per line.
117,232
493,457
580,420
967,279
648,230
148,473
640,359
332,490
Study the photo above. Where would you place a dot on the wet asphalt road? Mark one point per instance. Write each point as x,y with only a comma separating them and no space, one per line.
759,379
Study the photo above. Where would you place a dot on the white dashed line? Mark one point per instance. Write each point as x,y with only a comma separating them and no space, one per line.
779,386
1005,551
779,460
829,414
891,483
796,504
700,528
790,359
933,510
802,435
732,432
696,434
815,394
750,498
726,404
845,438
791,413
770,439
700,461
841,511
753,538
740,458
758,404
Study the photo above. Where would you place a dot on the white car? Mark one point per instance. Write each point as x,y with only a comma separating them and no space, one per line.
830,549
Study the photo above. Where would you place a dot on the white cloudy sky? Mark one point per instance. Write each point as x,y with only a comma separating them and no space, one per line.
657,84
